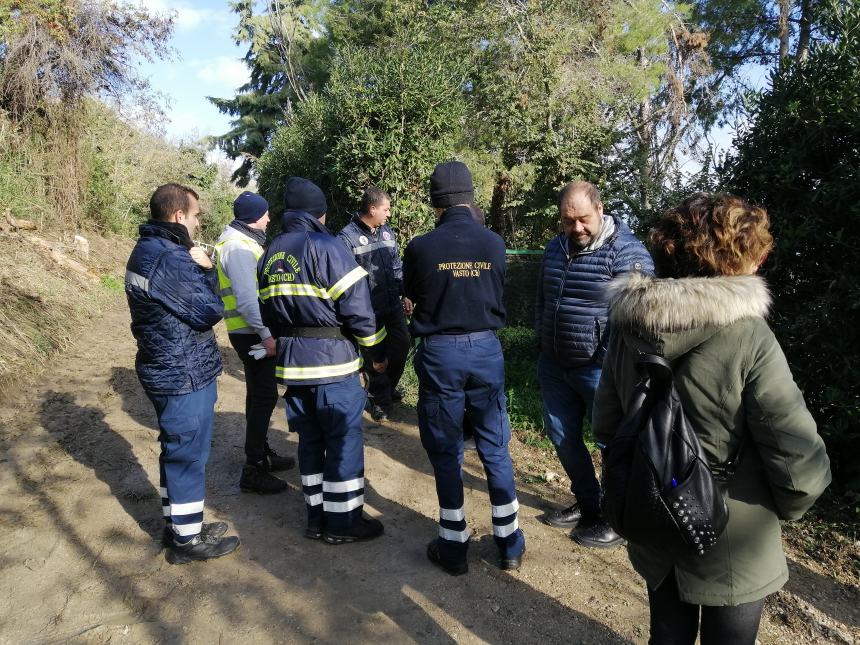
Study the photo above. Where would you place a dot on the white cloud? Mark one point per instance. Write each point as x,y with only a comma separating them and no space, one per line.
225,71
187,17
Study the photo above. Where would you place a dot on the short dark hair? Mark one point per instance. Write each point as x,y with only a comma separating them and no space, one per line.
710,235
168,199
580,186
373,196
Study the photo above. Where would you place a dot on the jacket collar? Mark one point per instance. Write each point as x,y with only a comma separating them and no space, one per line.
456,214
300,221
176,233
669,305
255,234
611,227
361,224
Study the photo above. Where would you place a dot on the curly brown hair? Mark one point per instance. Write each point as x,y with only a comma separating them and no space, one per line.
709,235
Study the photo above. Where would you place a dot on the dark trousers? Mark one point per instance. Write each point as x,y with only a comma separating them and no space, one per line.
397,344
327,419
460,375
568,393
185,433
261,395
674,622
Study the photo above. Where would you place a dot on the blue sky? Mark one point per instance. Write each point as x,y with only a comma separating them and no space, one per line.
207,63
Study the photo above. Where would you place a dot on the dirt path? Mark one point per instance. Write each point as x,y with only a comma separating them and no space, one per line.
80,559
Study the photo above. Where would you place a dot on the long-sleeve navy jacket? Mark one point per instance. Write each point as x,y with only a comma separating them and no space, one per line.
572,309
308,279
376,252
174,305
455,276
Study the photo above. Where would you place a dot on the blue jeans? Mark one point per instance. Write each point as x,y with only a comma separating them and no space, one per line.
568,393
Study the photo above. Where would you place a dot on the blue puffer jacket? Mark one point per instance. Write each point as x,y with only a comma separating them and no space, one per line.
376,252
571,311
174,306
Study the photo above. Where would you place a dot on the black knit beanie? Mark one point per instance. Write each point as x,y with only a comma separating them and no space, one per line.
451,184
249,207
304,195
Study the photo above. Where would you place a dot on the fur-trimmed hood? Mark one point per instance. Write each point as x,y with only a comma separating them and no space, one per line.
670,305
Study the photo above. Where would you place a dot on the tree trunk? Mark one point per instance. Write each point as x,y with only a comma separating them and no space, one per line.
805,30
784,32
497,204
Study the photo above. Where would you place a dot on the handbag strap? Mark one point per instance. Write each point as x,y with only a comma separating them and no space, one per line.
664,369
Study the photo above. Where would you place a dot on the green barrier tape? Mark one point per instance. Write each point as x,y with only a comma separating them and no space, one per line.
515,252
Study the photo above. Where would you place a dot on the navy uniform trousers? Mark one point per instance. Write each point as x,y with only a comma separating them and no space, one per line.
327,419
185,433
465,374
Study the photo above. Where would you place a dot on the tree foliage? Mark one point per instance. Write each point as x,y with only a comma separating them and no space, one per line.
801,159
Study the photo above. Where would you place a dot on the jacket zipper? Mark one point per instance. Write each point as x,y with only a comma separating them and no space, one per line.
558,297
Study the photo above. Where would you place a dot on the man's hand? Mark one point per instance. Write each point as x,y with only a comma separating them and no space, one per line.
199,256
271,346
408,307
379,368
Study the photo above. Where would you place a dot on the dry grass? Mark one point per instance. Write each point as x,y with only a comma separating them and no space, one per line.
43,306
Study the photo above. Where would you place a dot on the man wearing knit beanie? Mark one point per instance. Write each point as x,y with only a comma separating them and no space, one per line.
316,300
237,251
455,276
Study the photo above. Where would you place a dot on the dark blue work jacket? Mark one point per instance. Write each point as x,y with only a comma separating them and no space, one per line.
455,276
174,305
572,310
376,252
308,280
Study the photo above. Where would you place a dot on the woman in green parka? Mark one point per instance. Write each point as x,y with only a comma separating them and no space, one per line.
705,312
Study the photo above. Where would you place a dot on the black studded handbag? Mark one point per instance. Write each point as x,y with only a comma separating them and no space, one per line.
658,489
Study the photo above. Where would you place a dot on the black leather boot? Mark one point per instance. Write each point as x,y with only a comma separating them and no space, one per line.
201,548
278,463
257,479
364,529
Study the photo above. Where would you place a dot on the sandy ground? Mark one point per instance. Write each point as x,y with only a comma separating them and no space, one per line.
80,559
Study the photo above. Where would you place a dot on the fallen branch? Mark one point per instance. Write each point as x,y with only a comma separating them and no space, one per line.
19,224
62,259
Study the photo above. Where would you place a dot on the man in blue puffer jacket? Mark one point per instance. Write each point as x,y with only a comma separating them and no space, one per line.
571,324
171,290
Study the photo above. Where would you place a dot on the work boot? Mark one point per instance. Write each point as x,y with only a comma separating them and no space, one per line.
214,529
277,463
512,563
597,536
566,518
257,479
364,529
314,530
377,412
201,548
453,568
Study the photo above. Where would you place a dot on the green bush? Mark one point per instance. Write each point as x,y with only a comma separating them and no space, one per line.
801,160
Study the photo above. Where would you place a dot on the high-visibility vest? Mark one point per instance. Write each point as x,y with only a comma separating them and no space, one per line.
232,318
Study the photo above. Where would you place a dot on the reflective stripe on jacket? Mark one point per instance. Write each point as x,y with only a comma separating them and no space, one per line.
173,308
229,249
308,279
